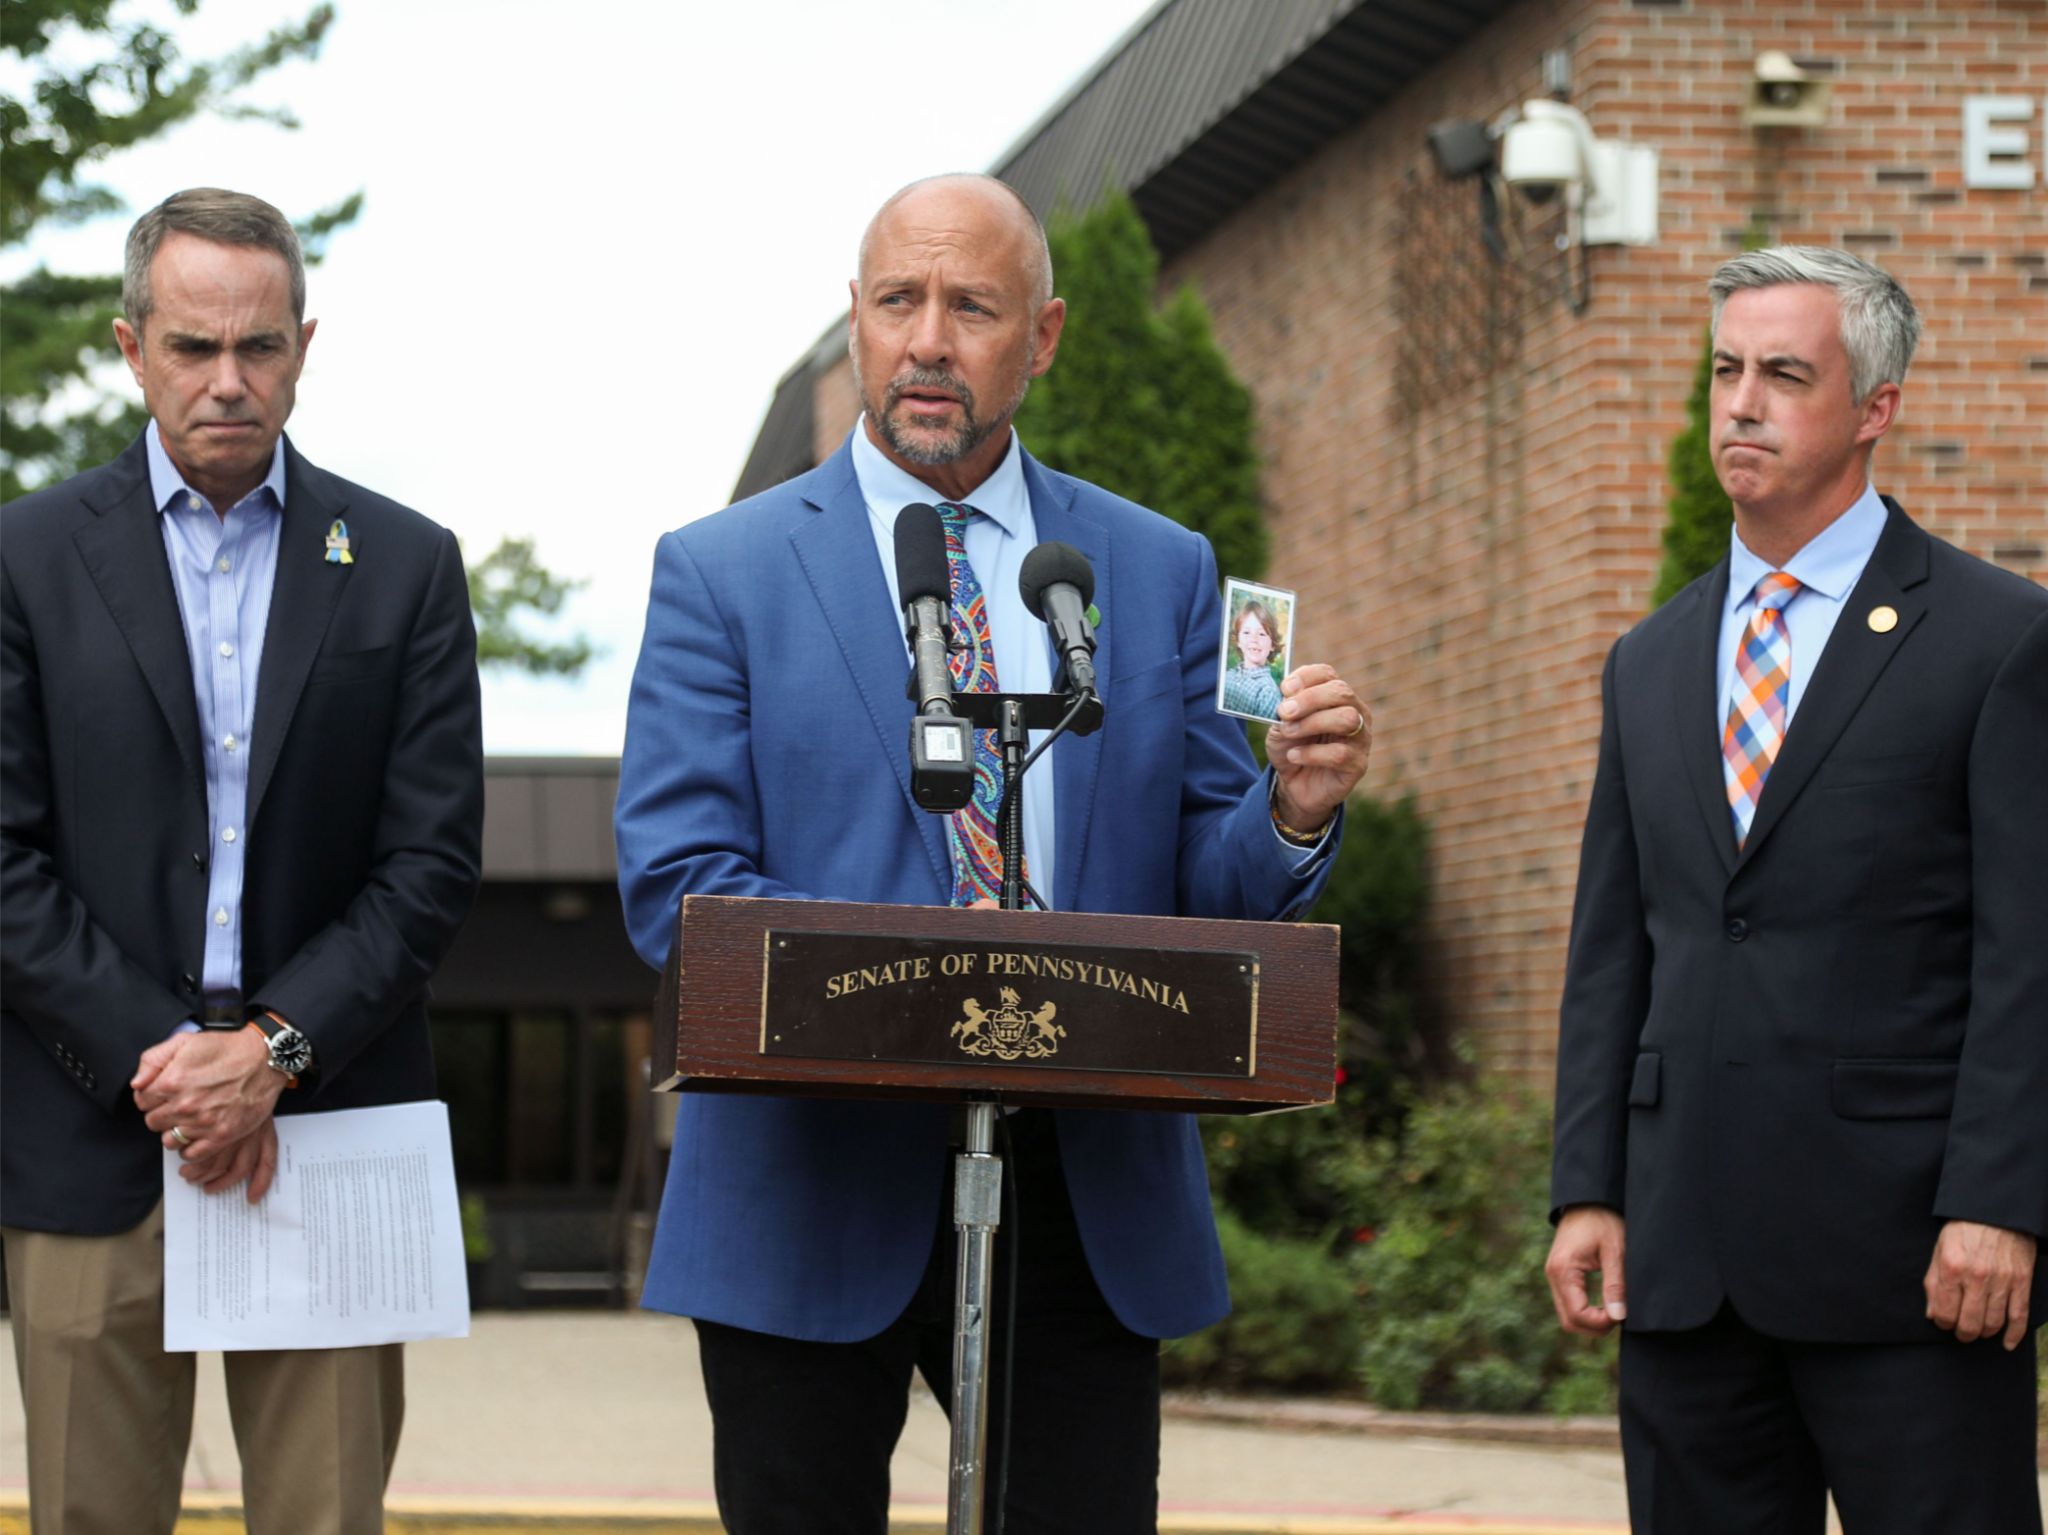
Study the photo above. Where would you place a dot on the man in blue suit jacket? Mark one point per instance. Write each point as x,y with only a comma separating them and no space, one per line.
765,757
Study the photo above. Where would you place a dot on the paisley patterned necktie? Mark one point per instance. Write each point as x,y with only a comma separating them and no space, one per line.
1756,717
971,831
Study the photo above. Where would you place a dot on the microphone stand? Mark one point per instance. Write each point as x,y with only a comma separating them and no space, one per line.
977,1170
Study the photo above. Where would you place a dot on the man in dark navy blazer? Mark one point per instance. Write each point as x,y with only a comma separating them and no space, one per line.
765,757
1802,1101
240,760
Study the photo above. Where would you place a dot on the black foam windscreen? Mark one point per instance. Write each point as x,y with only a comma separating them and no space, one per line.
1049,565
921,569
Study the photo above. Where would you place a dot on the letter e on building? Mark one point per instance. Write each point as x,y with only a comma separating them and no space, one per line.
1997,131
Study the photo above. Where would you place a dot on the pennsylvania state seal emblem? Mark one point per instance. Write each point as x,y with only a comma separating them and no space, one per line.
1008,1032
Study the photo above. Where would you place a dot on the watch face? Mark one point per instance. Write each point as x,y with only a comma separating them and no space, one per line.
291,1052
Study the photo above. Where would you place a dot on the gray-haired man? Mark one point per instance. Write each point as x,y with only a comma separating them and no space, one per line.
241,803
1804,1055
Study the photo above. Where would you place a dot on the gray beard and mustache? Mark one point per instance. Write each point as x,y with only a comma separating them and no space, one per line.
927,445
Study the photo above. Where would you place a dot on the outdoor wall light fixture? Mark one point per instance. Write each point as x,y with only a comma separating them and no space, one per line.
1463,148
1782,95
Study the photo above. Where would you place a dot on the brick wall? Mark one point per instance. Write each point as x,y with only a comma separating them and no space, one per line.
1468,541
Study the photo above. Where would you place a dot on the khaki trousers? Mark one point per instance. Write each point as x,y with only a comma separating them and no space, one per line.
109,1413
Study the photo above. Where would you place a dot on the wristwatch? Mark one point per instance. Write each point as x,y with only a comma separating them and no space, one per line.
291,1053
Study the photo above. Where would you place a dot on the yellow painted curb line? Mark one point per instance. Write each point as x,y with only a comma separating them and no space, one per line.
220,1514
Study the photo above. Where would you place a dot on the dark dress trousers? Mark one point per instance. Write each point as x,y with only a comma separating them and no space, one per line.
363,829
1789,1065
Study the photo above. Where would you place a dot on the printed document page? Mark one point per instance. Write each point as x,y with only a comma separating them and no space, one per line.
359,1240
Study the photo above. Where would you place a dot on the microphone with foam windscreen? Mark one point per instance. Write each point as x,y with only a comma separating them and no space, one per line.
924,586
941,747
1057,583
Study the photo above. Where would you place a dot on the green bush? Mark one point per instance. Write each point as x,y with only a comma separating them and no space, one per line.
1301,1176
1392,1242
1376,894
1457,1314
1295,1322
1426,1242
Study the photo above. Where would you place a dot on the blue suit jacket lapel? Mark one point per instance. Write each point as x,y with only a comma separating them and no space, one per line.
1077,760
835,547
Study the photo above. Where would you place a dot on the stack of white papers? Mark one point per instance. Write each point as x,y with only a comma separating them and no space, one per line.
358,1241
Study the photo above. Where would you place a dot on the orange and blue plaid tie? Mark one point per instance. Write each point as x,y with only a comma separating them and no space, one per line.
1756,718
977,851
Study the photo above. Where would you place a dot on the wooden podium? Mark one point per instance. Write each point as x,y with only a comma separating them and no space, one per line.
981,1008
826,998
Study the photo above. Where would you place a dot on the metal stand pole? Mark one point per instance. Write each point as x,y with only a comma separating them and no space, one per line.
977,1208
978,1202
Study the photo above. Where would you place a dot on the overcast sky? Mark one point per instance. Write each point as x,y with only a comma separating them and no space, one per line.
596,235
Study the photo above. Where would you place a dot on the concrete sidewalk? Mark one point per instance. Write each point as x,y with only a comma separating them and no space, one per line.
599,1418
595,1421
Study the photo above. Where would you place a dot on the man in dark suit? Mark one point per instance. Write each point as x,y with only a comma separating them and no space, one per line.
765,757
1801,1131
240,757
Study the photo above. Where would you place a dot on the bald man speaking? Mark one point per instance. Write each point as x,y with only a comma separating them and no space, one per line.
764,756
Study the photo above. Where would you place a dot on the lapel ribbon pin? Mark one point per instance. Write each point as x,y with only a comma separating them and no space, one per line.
337,544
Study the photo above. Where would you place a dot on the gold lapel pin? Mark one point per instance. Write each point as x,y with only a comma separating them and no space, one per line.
1883,619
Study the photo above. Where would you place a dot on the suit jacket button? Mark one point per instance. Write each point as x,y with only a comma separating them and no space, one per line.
1737,930
190,983
199,862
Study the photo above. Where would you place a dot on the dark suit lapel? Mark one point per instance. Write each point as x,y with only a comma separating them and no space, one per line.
302,603
123,550
1077,760
1695,696
836,549
1855,656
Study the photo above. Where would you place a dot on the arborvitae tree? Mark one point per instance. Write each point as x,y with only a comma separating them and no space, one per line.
1142,401
1696,532
506,585
56,330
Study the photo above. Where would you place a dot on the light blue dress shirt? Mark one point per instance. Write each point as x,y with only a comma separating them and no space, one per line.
997,541
1827,570
223,569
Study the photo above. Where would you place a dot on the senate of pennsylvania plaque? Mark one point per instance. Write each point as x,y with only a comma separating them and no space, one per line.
940,1001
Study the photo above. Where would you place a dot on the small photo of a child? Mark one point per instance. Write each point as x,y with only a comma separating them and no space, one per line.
1258,622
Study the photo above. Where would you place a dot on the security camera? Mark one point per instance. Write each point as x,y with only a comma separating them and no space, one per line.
1544,150
1782,95
1548,148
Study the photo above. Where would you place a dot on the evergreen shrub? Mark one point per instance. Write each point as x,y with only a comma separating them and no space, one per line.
1699,513
1142,401
1457,1314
